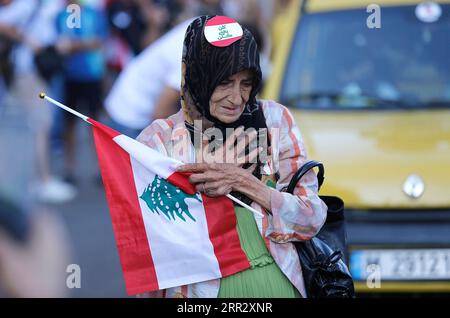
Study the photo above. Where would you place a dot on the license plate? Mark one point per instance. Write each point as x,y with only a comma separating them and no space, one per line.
401,264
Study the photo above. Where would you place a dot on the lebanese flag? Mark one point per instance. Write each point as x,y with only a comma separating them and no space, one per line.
167,235
222,31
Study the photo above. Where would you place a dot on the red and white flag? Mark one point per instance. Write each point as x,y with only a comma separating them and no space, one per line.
222,31
167,235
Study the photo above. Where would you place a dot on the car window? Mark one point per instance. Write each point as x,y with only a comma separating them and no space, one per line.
337,62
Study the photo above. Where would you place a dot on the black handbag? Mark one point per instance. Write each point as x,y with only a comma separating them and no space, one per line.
323,258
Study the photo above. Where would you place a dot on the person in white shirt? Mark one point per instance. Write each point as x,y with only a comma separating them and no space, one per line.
148,88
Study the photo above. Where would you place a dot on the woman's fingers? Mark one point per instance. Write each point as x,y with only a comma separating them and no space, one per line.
199,178
218,192
213,173
193,167
213,189
235,147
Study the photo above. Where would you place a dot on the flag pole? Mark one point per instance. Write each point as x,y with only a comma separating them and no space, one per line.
244,205
70,110
85,118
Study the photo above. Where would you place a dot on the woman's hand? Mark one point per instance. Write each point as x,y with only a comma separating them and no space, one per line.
220,179
230,153
216,179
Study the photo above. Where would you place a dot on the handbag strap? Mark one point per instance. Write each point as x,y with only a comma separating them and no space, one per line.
303,170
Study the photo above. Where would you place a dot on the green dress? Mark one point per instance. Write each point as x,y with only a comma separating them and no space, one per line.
264,279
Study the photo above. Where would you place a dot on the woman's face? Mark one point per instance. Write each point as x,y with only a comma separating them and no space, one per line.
230,97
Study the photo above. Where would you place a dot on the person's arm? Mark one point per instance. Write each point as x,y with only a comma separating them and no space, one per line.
167,103
70,46
76,46
297,216
10,32
85,45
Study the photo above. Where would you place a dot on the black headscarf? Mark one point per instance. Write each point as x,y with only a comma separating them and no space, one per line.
205,66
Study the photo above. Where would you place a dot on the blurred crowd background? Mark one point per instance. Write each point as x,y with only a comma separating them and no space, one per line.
118,61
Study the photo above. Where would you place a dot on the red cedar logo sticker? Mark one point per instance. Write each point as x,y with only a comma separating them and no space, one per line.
222,31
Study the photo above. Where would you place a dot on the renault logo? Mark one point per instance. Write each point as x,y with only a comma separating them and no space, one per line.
413,186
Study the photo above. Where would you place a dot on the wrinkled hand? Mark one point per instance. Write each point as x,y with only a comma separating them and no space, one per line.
230,153
216,179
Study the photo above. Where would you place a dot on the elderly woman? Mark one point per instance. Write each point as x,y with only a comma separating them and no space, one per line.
219,88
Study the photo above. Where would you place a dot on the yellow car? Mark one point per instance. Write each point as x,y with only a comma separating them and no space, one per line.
369,86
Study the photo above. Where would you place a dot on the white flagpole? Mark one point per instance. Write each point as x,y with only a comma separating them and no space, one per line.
244,205
85,118
70,110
